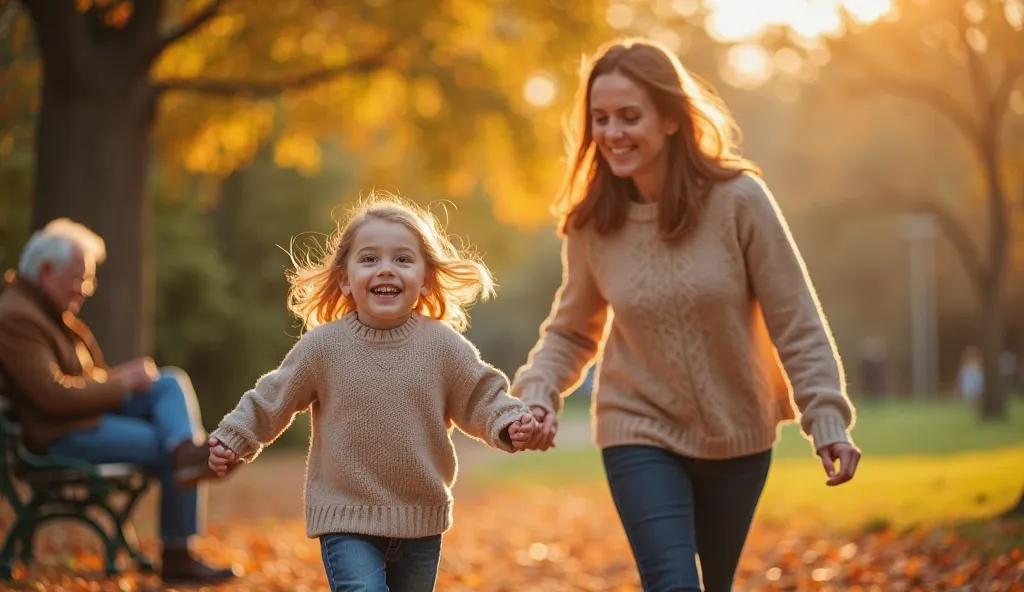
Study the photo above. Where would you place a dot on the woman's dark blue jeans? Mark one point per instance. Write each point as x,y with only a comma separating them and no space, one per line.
674,508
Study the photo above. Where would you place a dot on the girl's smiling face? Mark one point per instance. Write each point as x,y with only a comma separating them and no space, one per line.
385,273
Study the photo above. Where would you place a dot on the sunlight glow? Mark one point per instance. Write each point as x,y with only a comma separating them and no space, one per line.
1014,12
1017,102
686,7
619,16
746,20
750,66
539,90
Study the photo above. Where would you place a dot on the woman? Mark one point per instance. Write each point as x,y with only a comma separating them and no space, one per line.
669,229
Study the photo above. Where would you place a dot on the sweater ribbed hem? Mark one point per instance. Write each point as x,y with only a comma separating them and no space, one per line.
828,429
618,430
385,521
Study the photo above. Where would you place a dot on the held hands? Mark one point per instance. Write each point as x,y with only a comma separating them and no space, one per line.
848,457
521,431
545,431
221,458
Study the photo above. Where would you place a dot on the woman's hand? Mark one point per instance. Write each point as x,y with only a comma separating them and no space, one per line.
848,457
547,427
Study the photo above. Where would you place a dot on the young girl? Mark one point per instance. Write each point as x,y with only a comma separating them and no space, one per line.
385,373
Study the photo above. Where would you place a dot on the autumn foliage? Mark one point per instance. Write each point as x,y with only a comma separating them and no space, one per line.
555,540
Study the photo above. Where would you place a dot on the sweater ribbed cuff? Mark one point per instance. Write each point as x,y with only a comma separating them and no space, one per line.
538,395
828,429
238,441
499,424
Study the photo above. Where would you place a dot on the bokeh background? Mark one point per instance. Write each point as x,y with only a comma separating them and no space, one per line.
200,138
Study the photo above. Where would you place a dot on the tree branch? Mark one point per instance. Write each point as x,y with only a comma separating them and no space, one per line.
265,88
885,78
981,83
952,228
185,29
1000,99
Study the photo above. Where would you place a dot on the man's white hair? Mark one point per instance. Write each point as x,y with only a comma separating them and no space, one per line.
56,243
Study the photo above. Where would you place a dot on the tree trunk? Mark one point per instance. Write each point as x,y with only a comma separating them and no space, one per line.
92,155
993,403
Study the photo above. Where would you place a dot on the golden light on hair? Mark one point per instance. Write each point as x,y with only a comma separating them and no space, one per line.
457,277
705,149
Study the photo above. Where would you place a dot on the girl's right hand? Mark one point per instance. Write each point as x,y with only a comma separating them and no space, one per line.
221,458
544,434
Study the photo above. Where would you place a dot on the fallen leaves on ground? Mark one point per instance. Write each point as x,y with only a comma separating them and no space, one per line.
570,539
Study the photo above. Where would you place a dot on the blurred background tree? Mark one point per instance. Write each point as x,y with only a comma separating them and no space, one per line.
206,85
457,104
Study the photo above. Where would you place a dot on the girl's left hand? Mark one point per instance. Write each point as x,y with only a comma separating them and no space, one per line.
521,431
848,456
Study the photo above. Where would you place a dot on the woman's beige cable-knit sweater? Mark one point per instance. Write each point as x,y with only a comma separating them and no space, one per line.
688,363
381,460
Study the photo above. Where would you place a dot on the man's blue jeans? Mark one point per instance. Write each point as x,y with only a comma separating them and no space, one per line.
674,508
145,432
364,563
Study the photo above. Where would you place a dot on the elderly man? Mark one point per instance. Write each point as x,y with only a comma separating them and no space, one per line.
69,403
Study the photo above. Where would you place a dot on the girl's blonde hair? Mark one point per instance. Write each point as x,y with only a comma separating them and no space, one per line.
456,279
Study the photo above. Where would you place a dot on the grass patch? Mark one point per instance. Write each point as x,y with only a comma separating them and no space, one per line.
889,491
941,427
923,464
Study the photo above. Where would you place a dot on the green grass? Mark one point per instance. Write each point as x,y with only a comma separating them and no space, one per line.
923,463
942,427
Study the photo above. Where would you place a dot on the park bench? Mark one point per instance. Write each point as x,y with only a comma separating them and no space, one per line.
53,487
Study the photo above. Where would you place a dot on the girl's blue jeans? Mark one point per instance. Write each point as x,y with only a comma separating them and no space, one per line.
364,563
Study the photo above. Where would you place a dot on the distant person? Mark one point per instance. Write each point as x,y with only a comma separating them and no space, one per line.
667,227
385,373
971,375
872,368
70,403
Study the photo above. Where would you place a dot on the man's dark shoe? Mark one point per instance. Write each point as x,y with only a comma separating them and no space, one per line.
182,569
192,464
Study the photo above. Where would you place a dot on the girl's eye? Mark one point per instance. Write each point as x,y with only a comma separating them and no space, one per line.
403,259
601,120
631,119
368,259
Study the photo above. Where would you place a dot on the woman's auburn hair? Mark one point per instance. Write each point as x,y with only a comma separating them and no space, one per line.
704,151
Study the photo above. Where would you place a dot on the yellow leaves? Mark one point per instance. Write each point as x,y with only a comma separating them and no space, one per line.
387,105
225,143
427,98
181,63
502,165
225,25
285,46
298,151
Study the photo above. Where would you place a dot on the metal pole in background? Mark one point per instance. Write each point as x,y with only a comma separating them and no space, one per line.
920,230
